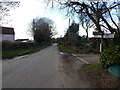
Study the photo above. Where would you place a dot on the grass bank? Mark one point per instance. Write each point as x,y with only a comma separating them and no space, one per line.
12,53
100,77
75,49
70,50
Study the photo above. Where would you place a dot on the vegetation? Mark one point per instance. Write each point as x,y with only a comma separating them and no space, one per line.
99,15
96,12
7,45
110,55
71,37
9,49
62,48
13,53
42,30
73,43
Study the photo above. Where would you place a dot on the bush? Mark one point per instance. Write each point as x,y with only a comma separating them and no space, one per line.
110,56
6,45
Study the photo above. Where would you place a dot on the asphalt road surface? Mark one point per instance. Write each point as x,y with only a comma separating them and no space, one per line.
44,69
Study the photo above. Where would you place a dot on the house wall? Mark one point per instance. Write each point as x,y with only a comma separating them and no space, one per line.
0,37
7,37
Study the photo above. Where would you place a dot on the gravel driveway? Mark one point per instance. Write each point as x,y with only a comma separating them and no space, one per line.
90,58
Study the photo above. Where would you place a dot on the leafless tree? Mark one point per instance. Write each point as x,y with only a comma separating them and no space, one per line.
5,7
99,12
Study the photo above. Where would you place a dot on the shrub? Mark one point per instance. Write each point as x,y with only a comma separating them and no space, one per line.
6,45
110,56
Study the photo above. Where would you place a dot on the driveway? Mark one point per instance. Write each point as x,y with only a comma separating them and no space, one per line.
44,69
90,58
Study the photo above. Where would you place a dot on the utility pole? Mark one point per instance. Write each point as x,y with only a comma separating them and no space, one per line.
69,22
101,44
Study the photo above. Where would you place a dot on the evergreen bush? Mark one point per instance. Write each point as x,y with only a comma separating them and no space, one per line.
110,56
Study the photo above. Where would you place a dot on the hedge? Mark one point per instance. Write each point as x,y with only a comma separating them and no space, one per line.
6,45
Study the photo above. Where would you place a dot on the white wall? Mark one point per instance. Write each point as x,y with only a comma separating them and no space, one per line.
7,37
0,37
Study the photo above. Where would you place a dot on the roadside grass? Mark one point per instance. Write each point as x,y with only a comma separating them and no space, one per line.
100,77
75,49
66,50
12,53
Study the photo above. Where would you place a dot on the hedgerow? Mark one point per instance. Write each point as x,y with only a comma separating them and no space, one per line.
6,45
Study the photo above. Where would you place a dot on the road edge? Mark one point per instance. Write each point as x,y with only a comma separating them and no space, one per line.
80,59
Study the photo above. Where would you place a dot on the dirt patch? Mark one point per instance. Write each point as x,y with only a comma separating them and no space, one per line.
70,67
70,64
100,77
93,74
90,58
96,74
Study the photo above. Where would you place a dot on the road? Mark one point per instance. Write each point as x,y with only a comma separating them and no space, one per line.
44,69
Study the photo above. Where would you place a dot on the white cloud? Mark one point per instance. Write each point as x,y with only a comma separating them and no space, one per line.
29,9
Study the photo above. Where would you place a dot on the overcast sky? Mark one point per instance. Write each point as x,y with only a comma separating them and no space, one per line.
23,15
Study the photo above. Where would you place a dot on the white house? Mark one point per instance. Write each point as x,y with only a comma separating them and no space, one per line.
7,33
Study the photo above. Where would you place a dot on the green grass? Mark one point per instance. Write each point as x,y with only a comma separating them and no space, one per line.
97,69
65,49
12,53
100,76
93,67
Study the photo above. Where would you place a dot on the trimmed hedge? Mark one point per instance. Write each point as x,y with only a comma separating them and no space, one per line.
6,45
110,56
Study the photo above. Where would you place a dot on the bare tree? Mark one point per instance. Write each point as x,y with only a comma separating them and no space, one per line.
99,12
5,7
86,24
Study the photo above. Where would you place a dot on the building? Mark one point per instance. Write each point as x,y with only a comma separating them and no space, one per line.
22,40
7,33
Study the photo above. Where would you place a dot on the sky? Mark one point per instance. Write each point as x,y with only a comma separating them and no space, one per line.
22,16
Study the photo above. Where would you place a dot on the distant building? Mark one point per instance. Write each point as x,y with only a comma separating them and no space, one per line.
22,40
7,33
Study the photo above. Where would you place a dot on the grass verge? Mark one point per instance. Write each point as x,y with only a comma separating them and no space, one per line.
12,53
100,77
66,50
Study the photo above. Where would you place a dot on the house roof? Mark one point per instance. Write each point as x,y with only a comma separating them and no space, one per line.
20,40
7,30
